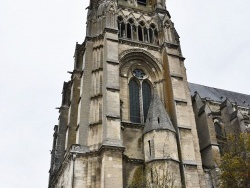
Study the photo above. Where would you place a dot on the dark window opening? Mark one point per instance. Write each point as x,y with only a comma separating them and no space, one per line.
156,41
142,2
134,32
218,129
140,35
134,102
129,31
120,19
152,175
149,147
151,37
146,94
131,21
142,23
145,31
130,27
122,30
158,120
121,27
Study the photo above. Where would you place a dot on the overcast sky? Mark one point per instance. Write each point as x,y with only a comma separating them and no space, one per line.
37,41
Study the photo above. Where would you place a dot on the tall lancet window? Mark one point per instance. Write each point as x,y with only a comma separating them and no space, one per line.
139,96
146,95
134,101
121,27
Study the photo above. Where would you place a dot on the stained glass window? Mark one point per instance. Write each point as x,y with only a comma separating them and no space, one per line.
139,96
134,102
146,95
138,73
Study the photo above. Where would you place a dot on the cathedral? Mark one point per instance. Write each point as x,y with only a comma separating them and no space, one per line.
128,117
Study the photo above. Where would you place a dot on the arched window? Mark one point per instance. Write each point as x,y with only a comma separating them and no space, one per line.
218,129
134,101
139,90
142,32
153,34
121,27
130,28
131,31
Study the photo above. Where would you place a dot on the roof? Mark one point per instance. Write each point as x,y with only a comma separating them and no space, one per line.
157,117
220,95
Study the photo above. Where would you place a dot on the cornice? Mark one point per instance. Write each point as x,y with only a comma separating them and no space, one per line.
133,160
140,44
162,159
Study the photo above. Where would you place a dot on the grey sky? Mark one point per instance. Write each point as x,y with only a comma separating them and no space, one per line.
36,50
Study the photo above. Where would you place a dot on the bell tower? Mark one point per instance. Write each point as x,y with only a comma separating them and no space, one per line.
132,114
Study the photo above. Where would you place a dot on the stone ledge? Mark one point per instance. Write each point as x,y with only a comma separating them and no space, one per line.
176,76
185,127
140,44
209,145
178,100
132,125
133,160
97,70
96,96
110,116
162,159
113,88
113,62
189,163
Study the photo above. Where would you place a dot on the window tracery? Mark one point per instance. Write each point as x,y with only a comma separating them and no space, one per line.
137,31
139,96
138,73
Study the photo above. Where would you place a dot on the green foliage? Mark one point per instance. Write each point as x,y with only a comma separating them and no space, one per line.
235,165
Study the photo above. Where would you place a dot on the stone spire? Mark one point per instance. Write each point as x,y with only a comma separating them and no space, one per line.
157,117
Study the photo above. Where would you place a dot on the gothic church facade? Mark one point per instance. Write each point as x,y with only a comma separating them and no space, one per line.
127,118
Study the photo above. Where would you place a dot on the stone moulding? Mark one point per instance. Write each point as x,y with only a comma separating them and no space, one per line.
162,159
82,151
132,125
132,160
138,50
139,44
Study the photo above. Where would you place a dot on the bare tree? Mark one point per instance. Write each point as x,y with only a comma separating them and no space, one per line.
155,177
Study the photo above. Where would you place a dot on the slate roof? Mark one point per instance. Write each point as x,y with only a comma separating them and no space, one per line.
157,117
220,95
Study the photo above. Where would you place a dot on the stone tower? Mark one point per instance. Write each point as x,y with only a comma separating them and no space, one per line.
129,111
